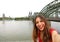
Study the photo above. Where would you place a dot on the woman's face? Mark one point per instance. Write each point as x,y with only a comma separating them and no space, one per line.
40,24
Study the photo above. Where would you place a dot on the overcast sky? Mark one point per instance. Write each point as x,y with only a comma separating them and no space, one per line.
21,8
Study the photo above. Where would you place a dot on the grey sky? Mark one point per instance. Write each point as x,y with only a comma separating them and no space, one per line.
21,8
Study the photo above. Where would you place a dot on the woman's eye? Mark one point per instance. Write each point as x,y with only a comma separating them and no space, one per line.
40,21
37,22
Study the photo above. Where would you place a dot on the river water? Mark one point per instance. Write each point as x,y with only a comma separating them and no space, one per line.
19,31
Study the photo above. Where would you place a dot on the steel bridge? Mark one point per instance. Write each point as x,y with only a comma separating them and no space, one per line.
51,11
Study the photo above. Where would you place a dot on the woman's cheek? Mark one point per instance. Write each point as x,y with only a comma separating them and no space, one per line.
43,24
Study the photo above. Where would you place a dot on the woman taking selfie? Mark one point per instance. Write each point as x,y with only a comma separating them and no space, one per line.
42,32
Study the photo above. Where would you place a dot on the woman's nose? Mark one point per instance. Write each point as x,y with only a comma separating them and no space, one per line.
39,23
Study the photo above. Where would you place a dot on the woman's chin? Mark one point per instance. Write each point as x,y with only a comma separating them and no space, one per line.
41,29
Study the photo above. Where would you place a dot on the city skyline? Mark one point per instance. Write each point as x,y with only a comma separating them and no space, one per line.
21,8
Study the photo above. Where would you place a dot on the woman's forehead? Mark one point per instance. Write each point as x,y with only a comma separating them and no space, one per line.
38,19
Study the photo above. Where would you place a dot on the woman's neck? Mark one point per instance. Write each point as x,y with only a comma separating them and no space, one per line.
41,35
41,32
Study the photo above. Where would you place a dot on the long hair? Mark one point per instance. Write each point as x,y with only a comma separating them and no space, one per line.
46,34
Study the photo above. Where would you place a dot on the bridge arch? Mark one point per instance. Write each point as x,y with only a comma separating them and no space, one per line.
52,9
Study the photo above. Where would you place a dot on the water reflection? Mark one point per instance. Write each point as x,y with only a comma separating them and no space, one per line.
16,30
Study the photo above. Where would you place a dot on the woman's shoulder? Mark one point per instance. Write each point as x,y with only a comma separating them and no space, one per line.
53,31
54,35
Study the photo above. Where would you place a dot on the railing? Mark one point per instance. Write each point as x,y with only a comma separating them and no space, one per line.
54,19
